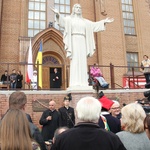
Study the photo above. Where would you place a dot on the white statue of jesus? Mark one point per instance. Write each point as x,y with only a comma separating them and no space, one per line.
79,42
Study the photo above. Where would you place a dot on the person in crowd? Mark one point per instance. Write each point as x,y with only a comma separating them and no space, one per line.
50,121
147,125
5,77
115,109
34,80
15,132
13,79
145,65
56,133
18,100
87,134
67,116
145,103
59,131
79,42
96,73
107,121
56,79
19,79
133,136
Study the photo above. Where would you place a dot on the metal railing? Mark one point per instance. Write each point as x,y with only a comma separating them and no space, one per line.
114,75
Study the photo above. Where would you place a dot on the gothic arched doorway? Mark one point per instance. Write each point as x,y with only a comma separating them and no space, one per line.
49,63
53,56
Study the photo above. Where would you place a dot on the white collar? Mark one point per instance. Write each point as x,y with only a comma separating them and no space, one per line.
105,113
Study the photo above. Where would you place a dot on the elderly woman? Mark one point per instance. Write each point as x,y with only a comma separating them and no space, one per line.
96,73
133,137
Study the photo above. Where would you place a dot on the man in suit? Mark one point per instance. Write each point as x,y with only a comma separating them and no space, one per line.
67,116
56,79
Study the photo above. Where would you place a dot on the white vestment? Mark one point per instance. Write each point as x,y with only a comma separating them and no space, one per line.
34,82
79,44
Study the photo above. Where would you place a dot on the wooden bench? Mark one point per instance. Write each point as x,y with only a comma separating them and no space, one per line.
4,86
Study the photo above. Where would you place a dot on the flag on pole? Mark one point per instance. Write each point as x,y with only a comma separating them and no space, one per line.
39,59
29,74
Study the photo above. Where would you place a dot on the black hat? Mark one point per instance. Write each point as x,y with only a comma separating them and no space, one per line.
101,94
68,97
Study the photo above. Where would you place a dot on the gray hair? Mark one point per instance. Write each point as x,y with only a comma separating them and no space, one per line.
88,109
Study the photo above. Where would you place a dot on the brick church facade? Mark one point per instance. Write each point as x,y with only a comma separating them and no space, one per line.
124,42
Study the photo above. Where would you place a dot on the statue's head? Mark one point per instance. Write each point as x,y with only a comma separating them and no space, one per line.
76,9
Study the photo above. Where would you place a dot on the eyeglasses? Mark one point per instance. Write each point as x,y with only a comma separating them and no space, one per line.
116,108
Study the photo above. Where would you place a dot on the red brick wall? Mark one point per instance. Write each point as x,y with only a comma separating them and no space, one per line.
111,45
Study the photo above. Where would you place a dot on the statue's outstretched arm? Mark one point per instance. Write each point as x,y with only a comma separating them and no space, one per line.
109,20
55,11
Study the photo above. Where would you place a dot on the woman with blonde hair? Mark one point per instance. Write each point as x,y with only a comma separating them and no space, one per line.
133,137
15,132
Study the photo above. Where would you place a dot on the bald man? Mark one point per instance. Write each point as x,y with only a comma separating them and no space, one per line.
50,121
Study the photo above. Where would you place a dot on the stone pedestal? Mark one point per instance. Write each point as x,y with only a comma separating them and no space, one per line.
80,89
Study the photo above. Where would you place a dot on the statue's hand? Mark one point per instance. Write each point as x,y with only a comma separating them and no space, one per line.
109,20
55,11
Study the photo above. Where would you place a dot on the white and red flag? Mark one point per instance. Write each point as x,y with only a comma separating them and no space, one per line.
29,74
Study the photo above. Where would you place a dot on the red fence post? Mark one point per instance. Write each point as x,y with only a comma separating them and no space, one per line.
112,76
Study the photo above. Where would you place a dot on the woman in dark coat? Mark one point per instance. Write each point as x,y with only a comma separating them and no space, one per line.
19,79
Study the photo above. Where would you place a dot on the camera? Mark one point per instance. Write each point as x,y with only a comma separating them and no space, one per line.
147,94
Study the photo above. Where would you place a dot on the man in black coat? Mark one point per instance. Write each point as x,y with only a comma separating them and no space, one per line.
5,76
67,116
56,79
50,121
87,135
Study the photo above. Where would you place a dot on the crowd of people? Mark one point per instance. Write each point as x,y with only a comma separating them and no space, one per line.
14,79
102,124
